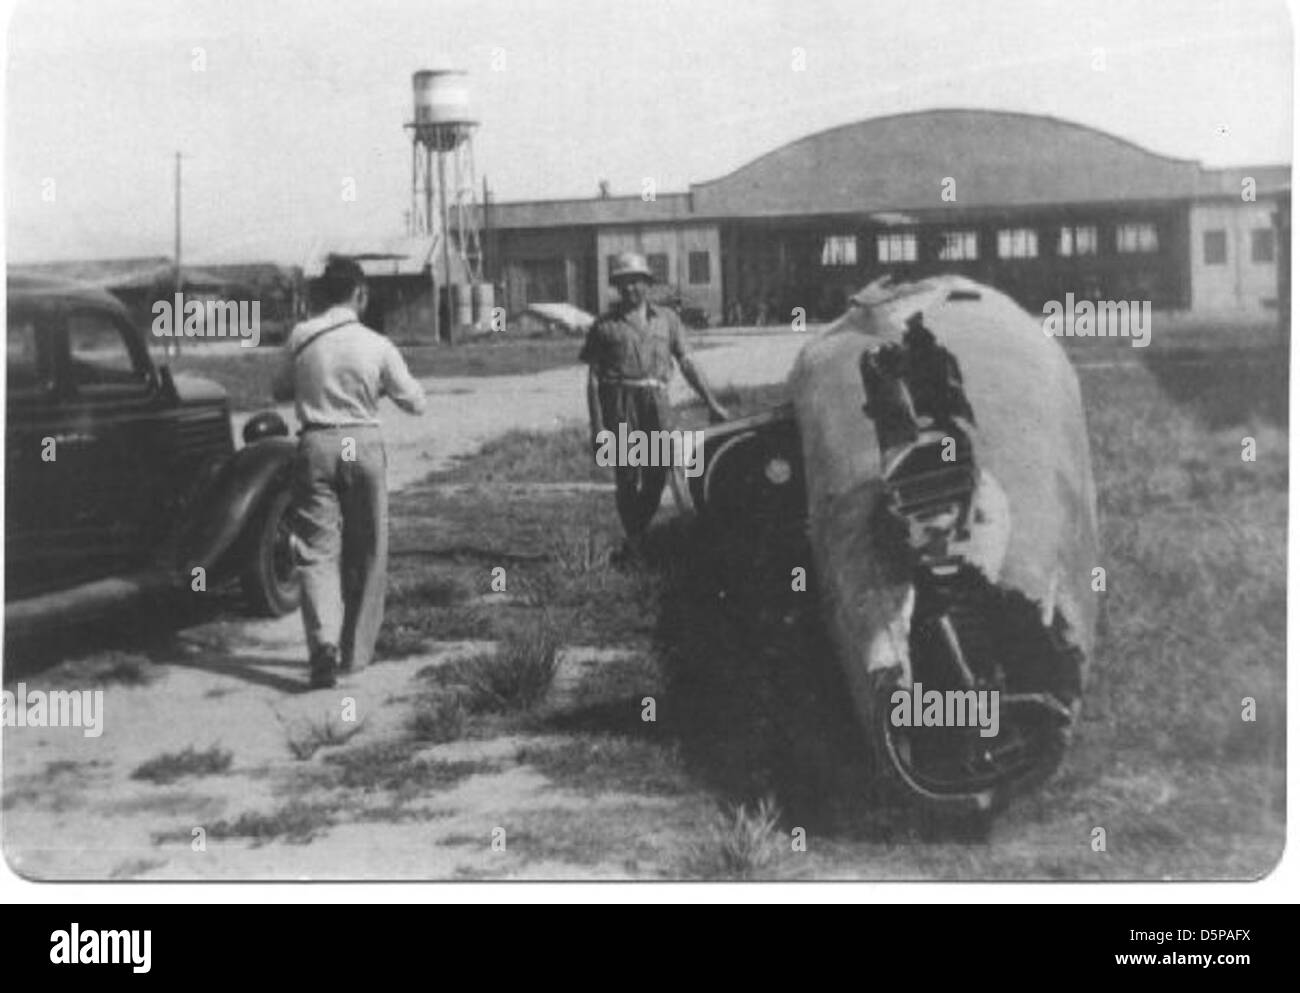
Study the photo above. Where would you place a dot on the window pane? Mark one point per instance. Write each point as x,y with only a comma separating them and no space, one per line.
20,348
658,262
899,247
698,264
1136,238
957,245
1018,243
1261,245
840,249
1216,247
97,351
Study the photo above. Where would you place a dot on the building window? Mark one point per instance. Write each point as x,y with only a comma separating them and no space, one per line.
1130,238
1261,245
1077,241
957,246
1216,247
840,249
900,247
1017,243
658,263
699,269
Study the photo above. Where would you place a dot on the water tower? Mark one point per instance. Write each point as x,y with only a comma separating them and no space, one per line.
444,198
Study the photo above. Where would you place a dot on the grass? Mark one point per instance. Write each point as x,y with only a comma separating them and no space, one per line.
592,764
1192,622
742,843
171,766
394,766
439,717
513,678
562,456
297,823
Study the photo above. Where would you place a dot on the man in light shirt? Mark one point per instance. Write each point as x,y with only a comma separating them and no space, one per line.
336,370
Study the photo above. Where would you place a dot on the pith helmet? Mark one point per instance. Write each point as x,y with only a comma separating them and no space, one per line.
629,264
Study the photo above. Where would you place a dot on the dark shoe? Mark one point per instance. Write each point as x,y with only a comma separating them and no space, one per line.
325,668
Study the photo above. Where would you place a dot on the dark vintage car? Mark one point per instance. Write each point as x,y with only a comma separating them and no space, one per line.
120,479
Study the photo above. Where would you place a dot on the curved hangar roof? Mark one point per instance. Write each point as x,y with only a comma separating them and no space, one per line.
998,159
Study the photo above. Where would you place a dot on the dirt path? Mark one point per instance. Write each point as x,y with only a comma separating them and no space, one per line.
73,811
466,411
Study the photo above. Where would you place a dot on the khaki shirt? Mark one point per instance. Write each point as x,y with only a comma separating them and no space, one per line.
619,346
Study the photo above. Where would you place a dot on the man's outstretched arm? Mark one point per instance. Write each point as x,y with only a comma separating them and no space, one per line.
694,375
399,385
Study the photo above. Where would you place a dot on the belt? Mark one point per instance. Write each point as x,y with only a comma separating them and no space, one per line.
314,426
655,384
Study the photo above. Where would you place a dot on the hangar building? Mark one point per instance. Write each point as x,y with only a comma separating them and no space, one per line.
1034,205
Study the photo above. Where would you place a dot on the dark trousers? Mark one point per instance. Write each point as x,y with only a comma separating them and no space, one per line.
637,489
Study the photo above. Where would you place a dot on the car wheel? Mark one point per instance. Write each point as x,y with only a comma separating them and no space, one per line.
270,577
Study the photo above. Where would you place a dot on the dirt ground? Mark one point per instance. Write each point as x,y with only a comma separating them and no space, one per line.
73,811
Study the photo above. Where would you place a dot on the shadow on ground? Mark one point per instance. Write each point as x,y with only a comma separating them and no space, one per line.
753,694
148,629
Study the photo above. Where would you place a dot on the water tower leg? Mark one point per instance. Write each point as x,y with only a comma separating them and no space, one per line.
450,335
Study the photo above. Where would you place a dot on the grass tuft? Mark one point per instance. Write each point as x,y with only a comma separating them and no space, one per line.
513,678
439,717
171,766
741,843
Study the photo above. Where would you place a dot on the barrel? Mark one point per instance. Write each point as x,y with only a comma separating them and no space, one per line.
484,296
462,305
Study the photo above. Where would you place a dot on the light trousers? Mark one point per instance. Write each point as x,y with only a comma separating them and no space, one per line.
341,526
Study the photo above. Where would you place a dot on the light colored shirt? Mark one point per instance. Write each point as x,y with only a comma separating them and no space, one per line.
338,380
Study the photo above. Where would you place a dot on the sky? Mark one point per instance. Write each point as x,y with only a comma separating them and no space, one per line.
277,104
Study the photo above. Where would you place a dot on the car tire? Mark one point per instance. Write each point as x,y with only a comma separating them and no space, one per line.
270,578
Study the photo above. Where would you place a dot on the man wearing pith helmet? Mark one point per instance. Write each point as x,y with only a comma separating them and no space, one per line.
630,352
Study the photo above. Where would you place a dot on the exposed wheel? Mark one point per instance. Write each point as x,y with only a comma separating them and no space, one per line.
270,576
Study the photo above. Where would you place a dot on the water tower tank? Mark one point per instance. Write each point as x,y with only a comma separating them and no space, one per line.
441,97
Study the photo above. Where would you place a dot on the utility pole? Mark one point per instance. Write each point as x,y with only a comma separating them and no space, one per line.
488,249
176,274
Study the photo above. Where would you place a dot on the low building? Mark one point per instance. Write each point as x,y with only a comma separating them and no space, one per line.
1034,205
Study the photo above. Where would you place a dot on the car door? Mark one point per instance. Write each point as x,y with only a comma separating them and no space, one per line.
108,394
38,544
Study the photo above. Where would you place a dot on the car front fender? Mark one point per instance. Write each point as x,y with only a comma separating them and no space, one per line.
230,503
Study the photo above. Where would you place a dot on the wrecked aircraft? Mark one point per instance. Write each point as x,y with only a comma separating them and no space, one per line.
936,458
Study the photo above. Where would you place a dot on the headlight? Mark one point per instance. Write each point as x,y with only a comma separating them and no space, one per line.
267,424
778,471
